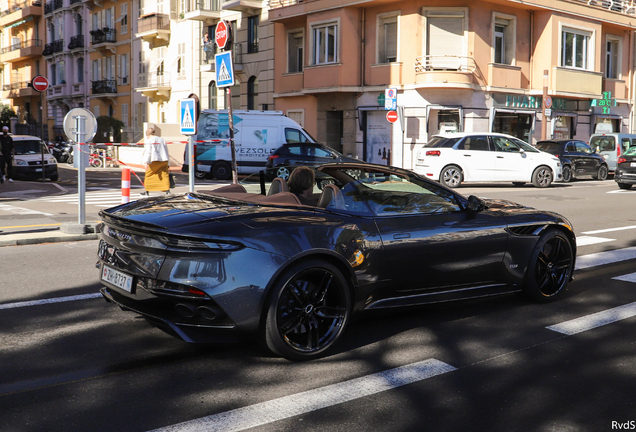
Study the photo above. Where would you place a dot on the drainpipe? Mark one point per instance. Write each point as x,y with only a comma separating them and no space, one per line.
363,47
632,79
531,47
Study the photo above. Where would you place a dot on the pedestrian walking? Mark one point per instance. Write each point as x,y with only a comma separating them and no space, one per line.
7,150
155,159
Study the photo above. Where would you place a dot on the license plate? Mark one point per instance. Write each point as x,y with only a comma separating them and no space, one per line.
633,164
38,170
117,278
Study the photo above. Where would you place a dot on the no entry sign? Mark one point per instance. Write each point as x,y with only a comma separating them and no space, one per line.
40,83
392,116
221,35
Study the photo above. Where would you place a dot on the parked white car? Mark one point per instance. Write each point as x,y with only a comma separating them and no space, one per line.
485,157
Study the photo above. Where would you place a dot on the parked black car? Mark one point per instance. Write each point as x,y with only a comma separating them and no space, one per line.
287,157
577,158
625,174
207,266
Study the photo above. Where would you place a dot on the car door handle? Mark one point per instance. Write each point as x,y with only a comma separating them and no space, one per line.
402,236
467,155
500,157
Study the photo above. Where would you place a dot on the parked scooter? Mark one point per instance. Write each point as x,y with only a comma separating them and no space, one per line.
63,152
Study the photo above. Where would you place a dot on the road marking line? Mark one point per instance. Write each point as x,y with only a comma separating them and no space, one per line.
312,400
610,230
49,301
626,278
589,240
602,258
595,320
20,210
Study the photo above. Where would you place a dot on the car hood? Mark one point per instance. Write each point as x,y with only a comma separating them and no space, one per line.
183,212
499,204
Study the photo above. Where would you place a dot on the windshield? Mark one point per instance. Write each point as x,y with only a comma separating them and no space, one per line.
603,143
550,147
28,147
441,142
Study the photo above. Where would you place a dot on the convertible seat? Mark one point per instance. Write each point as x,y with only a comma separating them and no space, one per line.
278,185
329,193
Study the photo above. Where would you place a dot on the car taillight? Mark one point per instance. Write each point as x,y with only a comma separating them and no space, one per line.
272,157
621,160
433,153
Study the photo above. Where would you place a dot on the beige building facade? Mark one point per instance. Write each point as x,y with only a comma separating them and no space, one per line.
457,65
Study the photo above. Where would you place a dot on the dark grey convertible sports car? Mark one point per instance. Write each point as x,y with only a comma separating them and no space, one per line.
206,266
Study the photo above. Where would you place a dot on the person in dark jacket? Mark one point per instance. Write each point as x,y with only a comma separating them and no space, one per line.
301,184
7,149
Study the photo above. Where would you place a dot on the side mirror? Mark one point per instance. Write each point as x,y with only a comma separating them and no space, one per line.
475,204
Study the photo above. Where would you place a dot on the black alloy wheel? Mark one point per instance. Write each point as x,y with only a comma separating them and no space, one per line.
602,173
308,311
567,173
550,267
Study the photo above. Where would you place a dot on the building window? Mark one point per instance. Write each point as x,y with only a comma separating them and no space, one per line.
612,58
295,42
504,40
325,43
212,95
252,92
575,48
181,69
61,72
252,34
123,18
387,39
446,43
124,78
124,114
80,70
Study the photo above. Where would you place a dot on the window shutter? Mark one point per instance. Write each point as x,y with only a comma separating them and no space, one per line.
391,41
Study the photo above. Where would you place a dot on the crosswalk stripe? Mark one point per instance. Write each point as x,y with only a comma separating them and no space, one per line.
589,240
589,322
607,257
627,278
6,208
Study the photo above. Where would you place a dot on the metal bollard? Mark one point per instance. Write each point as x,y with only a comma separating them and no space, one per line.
125,185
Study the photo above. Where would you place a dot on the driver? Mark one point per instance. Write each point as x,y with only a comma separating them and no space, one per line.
301,184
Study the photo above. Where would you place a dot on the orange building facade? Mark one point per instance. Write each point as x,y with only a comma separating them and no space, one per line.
457,65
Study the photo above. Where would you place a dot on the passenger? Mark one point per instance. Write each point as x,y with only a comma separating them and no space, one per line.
301,184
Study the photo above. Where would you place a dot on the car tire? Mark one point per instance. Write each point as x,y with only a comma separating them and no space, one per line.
70,160
542,177
624,186
550,267
602,173
200,174
283,172
54,177
308,310
451,176
518,183
222,171
567,174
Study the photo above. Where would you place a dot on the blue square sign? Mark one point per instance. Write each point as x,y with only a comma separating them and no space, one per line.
224,69
188,117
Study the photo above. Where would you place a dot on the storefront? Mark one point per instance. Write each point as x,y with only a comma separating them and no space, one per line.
514,115
444,119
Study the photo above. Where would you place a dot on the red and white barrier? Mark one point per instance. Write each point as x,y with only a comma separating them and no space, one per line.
125,185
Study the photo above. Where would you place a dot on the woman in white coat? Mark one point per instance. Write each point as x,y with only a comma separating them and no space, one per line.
155,159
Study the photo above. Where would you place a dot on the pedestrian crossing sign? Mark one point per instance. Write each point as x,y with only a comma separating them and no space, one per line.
188,117
224,69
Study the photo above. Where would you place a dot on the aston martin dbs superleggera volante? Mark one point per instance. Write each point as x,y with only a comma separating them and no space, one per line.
210,265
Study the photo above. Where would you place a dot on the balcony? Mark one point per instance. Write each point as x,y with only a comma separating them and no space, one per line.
207,58
22,50
246,6
57,91
104,87
52,6
154,85
155,29
18,90
20,10
53,47
454,72
75,3
104,38
77,42
576,83
90,4
202,10
502,76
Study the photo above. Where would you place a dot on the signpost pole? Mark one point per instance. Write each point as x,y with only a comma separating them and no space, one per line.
228,92
191,163
42,132
80,133
544,122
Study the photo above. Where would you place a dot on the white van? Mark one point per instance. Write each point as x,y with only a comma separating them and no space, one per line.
27,159
257,134
611,145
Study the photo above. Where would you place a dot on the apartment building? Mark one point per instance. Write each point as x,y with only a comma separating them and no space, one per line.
21,46
457,65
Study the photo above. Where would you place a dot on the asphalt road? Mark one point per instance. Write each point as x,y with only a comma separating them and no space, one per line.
498,364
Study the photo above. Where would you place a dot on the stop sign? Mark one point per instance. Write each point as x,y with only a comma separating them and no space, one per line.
221,34
40,83
392,116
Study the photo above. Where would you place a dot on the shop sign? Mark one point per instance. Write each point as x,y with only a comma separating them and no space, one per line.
522,101
606,103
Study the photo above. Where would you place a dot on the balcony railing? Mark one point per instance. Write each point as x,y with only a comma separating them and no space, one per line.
72,2
16,85
153,23
202,5
53,47
444,63
104,86
24,44
105,35
18,5
207,57
52,6
153,80
77,41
